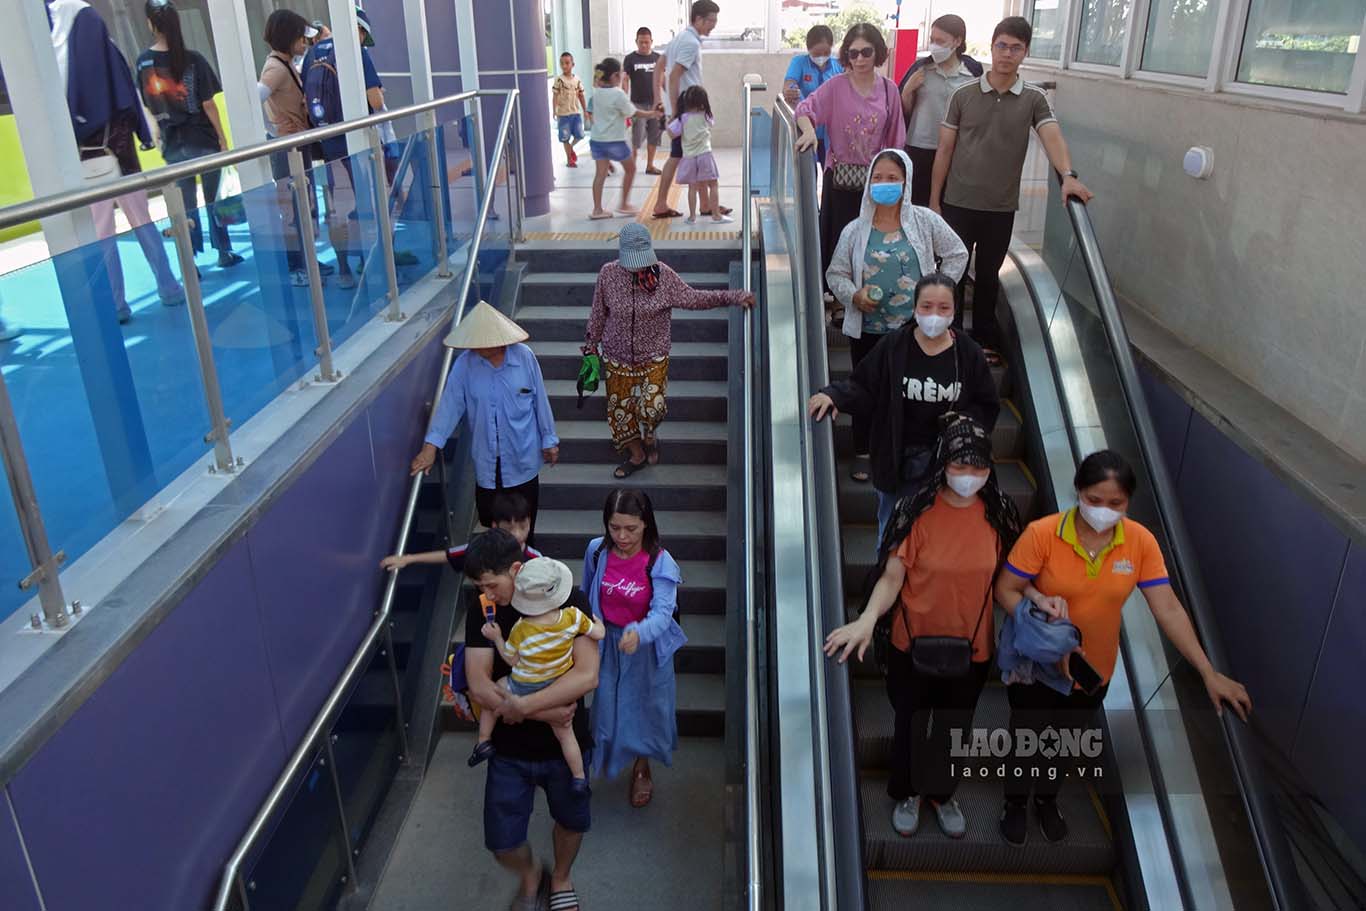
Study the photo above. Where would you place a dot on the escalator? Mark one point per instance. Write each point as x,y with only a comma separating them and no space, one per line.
1176,814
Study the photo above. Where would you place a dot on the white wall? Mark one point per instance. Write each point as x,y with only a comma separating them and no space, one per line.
1262,266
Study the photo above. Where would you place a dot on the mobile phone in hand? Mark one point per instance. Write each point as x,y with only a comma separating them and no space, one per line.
1083,674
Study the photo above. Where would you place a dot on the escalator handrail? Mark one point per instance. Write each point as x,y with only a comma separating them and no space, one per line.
379,627
754,897
1277,862
833,697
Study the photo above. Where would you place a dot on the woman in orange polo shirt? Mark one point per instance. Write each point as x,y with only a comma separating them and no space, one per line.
1081,566
939,557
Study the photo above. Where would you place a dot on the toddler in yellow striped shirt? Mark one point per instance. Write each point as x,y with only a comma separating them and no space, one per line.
539,648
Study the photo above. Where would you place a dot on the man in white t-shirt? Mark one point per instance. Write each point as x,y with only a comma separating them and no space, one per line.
682,62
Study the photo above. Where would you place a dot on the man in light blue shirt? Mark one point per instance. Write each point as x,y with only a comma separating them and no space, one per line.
808,72
495,386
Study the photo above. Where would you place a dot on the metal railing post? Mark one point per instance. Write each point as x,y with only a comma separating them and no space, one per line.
481,165
386,224
40,555
438,211
307,240
398,692
199,324
520,159
330,760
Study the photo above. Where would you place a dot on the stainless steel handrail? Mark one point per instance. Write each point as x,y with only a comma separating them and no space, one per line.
166,176
379,628
1277,862
755,897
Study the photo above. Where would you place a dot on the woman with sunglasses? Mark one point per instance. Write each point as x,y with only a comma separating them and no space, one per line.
861,113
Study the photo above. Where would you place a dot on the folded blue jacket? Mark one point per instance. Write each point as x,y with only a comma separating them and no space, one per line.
1032,645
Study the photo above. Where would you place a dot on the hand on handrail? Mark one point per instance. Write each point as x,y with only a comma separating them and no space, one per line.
423,461
1074,188
819,404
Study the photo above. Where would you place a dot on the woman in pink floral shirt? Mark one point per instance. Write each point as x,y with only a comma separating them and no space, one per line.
861,113
630,323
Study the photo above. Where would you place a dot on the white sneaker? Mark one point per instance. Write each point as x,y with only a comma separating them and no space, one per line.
950,816
906,817
722,219
690,220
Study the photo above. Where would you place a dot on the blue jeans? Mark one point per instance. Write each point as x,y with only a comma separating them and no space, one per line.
510,796
886,503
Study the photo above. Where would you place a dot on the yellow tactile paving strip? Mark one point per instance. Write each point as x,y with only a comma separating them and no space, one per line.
661,229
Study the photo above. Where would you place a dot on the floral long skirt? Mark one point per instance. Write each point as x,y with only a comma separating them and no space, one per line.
635,399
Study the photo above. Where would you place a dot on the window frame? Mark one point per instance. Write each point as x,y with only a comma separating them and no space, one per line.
1231,18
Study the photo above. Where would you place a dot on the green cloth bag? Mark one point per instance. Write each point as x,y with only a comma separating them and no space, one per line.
590,374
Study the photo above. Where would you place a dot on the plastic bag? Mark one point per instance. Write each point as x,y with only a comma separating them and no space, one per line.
229,209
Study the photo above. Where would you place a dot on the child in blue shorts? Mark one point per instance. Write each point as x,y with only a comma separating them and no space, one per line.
612,110
567,93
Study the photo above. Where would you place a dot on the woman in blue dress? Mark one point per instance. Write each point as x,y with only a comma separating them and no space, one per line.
632,584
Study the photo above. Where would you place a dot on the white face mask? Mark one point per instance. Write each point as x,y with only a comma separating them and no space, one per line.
966,485
932,324
821,60
940,53
1100,518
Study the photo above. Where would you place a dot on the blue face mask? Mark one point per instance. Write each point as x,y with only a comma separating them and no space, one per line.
885,194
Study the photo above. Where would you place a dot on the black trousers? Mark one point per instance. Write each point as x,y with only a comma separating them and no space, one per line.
990,233
927,710
483,500
838,208
1036,707
863,425
922,169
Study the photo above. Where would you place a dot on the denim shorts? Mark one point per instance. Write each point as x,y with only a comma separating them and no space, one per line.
510,796
611,151
517,688
571,127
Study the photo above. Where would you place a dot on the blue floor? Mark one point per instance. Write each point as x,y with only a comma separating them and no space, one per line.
106,428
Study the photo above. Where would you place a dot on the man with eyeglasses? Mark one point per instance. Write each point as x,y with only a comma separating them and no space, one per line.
982,145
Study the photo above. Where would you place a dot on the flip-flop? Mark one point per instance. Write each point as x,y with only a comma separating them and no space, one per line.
535,902
602,217
642,787
564,900
667,213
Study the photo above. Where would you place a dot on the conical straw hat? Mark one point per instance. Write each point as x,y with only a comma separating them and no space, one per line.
485,327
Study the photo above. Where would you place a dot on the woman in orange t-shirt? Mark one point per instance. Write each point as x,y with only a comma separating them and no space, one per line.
1081,566
938,559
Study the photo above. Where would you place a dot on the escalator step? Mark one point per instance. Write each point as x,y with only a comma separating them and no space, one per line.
1087,850
984,892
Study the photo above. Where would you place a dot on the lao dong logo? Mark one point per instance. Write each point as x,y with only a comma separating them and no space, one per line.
1002,743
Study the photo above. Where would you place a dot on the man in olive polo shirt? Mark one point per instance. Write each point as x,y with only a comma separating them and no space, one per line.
982,147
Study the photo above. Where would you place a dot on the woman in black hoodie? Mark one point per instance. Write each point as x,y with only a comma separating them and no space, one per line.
912,378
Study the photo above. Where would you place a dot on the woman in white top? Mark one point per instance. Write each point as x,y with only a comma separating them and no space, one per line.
925,91
611,109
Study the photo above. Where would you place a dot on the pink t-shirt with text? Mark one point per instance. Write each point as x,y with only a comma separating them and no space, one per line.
625,593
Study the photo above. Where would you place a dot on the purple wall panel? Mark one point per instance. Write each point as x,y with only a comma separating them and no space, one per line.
398,422
531,41
441,37
492,28
1171,415
390,52
536,144
1332,736
314,565
15,883
1271,584
163,767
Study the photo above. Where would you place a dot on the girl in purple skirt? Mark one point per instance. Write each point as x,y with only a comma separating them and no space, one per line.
698,167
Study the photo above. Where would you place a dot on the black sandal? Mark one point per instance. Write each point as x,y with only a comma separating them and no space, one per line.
628,468
856,471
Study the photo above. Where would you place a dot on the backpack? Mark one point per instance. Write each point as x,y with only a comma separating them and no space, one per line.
322,90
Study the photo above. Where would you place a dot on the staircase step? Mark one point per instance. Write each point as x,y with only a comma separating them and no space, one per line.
687,360
576,288
705,652
703,591
564,322
689,400
1087,849
701,705
681,443
542,256
687,534
587,486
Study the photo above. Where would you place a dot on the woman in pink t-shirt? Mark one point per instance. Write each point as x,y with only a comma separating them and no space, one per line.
632,584
861,112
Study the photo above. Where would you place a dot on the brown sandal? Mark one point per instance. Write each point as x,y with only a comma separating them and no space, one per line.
642,785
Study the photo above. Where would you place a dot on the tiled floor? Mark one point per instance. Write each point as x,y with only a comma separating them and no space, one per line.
572,200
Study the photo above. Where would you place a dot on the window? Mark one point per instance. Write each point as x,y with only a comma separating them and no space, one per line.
1046,17
741,24
1302,44
664,19
1180,36
1101,39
